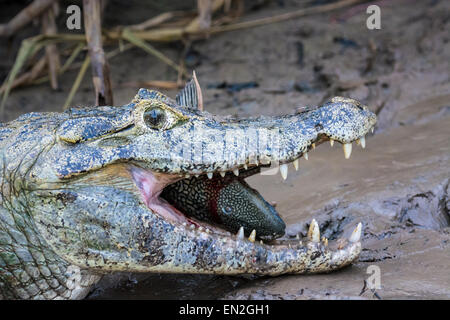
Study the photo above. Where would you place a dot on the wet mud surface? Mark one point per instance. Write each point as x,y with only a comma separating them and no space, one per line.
398,187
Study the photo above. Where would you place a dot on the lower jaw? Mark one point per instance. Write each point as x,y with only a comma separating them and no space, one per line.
205,248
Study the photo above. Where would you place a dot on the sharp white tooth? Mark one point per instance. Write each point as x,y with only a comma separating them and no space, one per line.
313,145
184,224
200,228
295,163
305,155
363,142
192,226
347,149
313,232
197,175
356,234
245,166
240,233
210,175
222,173
261,242
297,236
325,241
236,172
372,129
187,176
252,236
284,170
331,142
358,142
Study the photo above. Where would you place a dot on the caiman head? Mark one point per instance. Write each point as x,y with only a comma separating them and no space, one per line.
95,190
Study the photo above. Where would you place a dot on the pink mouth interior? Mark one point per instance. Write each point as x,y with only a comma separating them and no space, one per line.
151,185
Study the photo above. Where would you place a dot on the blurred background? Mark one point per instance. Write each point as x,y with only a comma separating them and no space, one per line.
271,57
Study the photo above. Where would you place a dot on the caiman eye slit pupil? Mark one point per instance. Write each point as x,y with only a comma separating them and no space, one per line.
155,117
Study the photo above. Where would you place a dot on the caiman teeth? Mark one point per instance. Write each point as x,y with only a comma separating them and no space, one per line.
305,154
314,232
210,175
236,172
222,174
347,150
363,142
372,129
245,166
325,241
240,233
252,236
331,142
284,170
295,163
356,234
313,145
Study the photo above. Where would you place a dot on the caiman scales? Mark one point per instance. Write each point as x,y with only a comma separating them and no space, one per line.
156,185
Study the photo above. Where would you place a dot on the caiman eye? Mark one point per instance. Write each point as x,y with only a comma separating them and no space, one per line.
155,118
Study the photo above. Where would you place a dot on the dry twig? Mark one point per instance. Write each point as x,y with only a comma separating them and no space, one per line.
51,50
24,17
77,82
155,21
99,65
28,76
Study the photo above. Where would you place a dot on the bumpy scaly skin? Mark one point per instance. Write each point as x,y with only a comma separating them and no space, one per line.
75,201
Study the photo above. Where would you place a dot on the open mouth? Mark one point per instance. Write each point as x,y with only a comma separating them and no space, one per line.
152,185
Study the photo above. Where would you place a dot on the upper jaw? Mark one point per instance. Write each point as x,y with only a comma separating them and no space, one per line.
209,147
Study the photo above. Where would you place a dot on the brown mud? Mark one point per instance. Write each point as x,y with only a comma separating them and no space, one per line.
398,187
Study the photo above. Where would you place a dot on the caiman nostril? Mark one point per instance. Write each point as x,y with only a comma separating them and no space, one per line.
318,127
